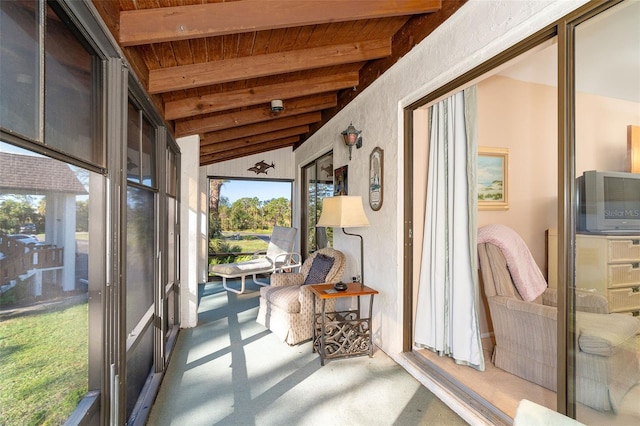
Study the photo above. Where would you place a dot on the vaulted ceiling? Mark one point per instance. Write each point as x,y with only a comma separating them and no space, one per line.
213,67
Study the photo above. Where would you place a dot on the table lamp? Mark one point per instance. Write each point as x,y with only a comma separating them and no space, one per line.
345,211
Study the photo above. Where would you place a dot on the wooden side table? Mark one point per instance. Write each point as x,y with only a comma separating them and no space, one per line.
342,333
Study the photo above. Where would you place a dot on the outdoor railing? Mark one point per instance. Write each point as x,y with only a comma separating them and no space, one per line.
20,258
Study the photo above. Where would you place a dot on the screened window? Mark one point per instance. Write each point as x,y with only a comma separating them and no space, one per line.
141,148
19,68
72,92
140,254
49,261
52,216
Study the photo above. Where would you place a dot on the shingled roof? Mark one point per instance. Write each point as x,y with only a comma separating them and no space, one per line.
37,174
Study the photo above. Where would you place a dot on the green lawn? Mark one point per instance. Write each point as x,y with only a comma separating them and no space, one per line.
250,244
43,366
235,242
247,243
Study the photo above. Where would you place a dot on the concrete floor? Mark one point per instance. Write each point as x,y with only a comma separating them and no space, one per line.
229,370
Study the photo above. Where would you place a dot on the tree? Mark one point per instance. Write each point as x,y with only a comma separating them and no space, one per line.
224,212
215,225
244,213
214,193
82,216
15,212
277,212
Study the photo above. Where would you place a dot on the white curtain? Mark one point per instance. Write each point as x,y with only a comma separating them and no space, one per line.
447,308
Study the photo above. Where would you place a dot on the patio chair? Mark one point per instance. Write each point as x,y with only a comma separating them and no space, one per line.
286,306
278,257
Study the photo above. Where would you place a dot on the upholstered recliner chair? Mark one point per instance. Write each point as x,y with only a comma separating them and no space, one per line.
607,364
286,306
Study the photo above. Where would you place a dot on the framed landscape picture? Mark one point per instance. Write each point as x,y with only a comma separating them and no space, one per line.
493,178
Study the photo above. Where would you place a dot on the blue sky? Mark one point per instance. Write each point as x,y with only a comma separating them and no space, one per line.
5,147
264,190
489,169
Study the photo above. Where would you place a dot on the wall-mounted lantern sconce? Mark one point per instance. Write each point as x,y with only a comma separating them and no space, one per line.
352,137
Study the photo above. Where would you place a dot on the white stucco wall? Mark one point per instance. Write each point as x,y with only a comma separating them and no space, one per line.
477,32
203,226
190,194
282,160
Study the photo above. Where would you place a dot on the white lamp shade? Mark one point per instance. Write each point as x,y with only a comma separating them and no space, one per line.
343,211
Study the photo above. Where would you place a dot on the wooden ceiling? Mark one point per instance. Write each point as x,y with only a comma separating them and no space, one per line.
213,67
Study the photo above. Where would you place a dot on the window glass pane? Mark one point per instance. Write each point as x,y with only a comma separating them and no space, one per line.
170,305
133,144
324,188
139,365
140,254
309,174
19,67
140,257
318,184
171,239
607,116
71,102
44,280
242,214
172,172
148,156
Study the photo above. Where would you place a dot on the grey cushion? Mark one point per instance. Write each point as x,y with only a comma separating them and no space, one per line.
604,335
319,269
253,266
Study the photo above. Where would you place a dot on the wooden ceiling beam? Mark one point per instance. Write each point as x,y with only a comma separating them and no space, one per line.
192,126
155,25
256,95
264,127
209,147
250,150
216,72
412,33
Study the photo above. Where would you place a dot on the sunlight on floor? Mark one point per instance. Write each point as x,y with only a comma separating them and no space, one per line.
505,391
231,370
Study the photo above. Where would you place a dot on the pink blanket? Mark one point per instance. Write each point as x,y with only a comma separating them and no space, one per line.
526,275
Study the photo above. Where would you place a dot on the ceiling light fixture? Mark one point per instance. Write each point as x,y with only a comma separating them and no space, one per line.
276,105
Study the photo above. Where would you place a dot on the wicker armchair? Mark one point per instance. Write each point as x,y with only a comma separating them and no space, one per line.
286,306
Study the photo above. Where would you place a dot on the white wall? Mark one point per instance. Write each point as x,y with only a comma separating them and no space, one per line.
190,194
477,32
203,226
282,159
522,117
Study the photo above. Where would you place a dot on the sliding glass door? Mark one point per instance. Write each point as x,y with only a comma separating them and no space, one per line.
574,197
606,96
317,183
